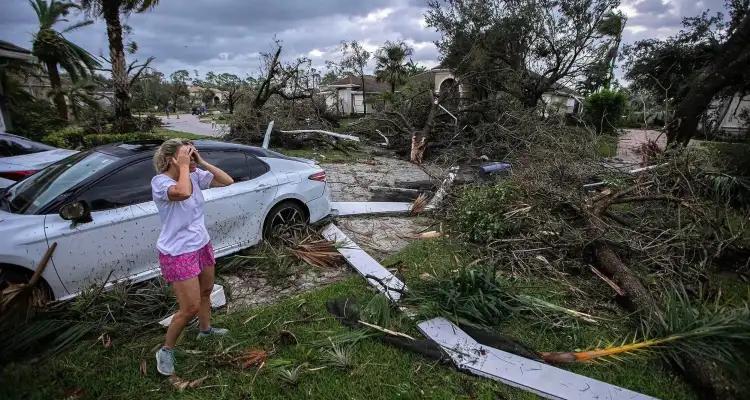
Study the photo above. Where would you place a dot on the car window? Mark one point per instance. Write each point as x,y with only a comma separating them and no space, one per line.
257,167
129,185
16,146
233,163
37,191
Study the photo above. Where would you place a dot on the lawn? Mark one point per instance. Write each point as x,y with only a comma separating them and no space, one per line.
377,371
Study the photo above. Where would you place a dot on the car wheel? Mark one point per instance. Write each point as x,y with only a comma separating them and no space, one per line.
283,216
10,275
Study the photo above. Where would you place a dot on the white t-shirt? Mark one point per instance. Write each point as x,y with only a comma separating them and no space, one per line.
183,228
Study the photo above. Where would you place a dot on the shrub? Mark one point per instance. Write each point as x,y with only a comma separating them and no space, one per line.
70,137
76,138
34,118
604,110
485,213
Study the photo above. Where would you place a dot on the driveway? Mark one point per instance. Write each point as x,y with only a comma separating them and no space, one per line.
191,124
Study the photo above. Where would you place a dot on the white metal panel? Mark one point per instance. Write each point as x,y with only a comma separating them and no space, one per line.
344,208
365,264
536,377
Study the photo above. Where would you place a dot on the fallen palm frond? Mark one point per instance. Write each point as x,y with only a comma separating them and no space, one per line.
420,204
251,358
182,384
708,332
319,253
20,297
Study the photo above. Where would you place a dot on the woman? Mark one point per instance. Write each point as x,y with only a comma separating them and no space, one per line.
185,253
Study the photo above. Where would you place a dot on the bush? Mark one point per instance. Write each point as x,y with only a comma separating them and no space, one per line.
76,138
485,213
33,118
604,110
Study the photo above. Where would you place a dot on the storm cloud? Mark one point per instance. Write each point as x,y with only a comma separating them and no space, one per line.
229,35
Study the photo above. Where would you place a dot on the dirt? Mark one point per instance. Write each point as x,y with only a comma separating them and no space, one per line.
379,236
628,147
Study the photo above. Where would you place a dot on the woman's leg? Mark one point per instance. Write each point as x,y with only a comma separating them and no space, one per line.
206,280
188,295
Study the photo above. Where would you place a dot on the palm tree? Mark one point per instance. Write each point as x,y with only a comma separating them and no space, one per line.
110,10
391,63
53,49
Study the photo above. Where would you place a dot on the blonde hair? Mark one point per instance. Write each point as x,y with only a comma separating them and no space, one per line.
165,152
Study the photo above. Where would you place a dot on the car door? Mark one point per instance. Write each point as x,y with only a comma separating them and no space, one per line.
235,213
120,240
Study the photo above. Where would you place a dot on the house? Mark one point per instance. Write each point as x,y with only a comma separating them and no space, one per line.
345,95
196,95
728,117
9,53
559,100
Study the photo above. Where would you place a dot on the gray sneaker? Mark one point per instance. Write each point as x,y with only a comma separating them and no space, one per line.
213,331
165,361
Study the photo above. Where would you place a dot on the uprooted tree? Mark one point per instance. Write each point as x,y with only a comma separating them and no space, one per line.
525,47
708,59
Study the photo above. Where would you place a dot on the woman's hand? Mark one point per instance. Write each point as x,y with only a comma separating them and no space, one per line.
183,156
198,159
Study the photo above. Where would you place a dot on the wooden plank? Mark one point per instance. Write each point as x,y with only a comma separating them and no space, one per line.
365,264
344,208
533,376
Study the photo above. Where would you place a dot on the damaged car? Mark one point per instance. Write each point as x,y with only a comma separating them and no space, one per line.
97,206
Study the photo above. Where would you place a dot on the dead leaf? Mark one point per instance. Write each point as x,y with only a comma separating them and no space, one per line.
144,368
425,276
251,358
74,393
182,384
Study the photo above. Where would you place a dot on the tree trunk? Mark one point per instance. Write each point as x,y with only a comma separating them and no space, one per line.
419,138
111,13
58,98
728,67
364,103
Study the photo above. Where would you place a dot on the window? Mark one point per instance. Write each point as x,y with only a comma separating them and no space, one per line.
231,162
257,167
16,146
129,185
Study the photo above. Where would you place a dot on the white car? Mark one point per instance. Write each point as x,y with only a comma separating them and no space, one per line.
97,206
21,157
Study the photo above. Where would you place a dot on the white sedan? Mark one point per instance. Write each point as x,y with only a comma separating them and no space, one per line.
97,206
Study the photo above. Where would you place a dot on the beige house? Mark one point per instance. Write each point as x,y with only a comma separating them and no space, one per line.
345,96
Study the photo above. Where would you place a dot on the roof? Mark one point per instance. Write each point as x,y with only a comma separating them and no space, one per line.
371,83
10,50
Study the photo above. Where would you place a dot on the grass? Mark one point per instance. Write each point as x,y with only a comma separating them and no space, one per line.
373,369
606,145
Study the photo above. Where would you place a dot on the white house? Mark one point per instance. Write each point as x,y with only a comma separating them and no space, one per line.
345,95
729,116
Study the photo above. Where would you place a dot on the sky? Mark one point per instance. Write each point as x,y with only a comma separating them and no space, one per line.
229,35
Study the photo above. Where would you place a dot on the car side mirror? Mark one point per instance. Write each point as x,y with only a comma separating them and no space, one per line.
78,212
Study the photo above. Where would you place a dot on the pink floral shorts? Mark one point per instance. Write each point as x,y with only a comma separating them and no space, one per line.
186,266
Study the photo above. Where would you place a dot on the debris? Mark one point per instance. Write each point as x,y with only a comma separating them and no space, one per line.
267,137
443,190
419,205
252,358
608,281
494,168
182,384
345,208
429,235
376,274
533,376
384,330
334,134
218,299
23,294
318,253
384,144
143,367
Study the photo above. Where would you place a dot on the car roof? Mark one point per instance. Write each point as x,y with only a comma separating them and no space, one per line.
135,148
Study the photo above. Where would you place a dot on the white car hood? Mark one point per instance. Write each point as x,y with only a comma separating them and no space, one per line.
34,161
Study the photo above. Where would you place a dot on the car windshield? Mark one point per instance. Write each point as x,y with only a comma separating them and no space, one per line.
36,191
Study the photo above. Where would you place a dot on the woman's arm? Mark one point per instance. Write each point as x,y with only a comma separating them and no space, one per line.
221,178
184,187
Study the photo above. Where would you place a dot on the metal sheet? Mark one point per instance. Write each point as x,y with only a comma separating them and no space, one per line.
218,299
533,376
344,208
365,264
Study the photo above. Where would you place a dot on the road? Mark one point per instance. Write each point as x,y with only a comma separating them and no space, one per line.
191,124
628,147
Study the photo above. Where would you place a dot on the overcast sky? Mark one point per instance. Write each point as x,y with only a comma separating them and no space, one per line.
228,35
